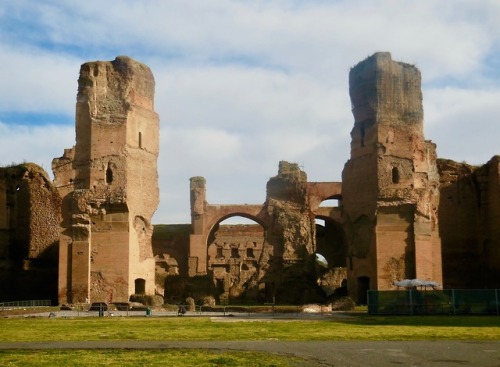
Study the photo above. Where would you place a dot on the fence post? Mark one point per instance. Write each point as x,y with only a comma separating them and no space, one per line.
411,304
496,300
453,301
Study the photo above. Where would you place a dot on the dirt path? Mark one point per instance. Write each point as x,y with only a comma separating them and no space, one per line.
335,353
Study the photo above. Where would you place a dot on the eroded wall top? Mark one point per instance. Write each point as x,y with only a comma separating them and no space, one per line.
386,91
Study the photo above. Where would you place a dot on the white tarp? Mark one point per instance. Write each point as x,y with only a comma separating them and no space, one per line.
412,283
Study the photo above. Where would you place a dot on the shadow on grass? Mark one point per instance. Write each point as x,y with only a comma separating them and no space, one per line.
422,320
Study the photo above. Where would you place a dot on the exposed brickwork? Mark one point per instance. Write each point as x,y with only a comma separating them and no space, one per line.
401,213
469,213
29,232
108,182
390,184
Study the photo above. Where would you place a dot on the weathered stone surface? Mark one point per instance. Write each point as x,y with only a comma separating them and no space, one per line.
333,281
343,304
390,184
287,205
108,182
315,308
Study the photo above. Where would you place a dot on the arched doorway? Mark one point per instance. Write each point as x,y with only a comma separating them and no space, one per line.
332,202
330,241
332,246
140,286
234,249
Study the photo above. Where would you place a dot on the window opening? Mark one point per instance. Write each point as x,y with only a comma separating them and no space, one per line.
109,174
395,175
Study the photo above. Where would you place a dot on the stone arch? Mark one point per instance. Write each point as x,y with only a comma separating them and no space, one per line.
233,252
331,241
333,213
318,192
223,216
207,218
335,196
220,251
329,199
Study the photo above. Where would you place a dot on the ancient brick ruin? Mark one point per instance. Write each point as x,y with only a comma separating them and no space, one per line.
29,233
401,212
469,223
260,262
390,184
109,185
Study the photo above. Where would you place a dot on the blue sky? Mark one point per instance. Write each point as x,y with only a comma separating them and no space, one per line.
241,85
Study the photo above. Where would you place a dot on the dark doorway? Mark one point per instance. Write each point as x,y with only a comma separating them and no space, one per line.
270,292
140,286
363,287
220,286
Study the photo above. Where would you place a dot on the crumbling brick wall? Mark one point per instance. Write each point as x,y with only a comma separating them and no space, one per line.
29,233
469,222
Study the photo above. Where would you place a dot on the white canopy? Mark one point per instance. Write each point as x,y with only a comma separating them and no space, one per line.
412,283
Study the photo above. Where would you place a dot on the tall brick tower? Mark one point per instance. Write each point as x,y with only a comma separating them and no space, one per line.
390,183
109,185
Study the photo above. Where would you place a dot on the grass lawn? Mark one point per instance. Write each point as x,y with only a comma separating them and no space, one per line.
125,358
359,327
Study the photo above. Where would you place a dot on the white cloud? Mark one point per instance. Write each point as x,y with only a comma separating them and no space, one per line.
242,85
267,116
37,144
464,123
447,38
37,80
237,98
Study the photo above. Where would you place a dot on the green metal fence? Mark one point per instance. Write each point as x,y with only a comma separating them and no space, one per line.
29,303
435,302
